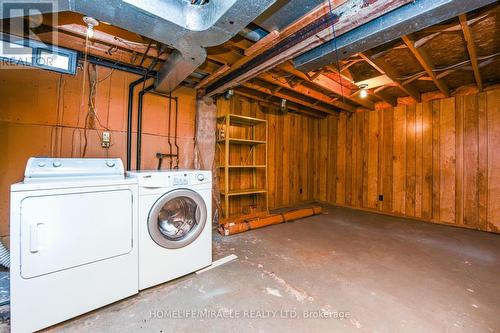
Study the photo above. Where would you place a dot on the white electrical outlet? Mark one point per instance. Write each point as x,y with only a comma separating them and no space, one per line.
106,139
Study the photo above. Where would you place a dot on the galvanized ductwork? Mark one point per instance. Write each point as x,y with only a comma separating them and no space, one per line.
187,28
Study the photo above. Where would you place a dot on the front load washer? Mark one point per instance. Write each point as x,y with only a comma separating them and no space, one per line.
73,236
175,224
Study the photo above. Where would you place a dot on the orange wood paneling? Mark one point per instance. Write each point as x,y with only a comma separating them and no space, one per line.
436,161
493,141
43,113
295,173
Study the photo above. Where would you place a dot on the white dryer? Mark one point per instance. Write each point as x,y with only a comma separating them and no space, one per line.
73,237
175,224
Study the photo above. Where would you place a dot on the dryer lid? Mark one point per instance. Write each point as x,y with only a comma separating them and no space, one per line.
44,168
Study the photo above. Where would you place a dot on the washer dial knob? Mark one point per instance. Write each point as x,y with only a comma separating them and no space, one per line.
200,177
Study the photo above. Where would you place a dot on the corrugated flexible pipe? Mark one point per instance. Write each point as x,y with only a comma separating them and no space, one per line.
4,256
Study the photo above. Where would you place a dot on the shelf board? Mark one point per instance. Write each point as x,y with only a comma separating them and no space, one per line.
242,120
244,192
242,166
243,141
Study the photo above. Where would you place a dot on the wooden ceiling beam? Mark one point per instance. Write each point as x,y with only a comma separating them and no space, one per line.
113,42
384,96
471,49
426,63
303,90
437,30
97,48
279,94
273,105
324,82
384,68
311,30
262,43
209,78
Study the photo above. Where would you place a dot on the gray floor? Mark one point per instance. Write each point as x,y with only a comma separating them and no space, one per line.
377,273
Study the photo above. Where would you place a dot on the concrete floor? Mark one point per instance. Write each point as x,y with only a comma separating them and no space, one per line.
380,273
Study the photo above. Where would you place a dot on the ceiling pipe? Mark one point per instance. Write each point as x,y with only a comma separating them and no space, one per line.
253,33
185,27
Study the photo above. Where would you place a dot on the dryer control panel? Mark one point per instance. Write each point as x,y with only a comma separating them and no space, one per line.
42,169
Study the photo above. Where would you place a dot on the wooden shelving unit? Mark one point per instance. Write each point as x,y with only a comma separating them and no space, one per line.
256,138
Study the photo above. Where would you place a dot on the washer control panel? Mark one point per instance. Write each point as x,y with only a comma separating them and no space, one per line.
171,178
189,178
180,179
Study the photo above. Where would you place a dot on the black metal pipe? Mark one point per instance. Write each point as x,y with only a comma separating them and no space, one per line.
139,126
169,126
175,133
118,65
145,74
129,118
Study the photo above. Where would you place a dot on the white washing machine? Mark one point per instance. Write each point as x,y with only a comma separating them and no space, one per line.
73,236
175,224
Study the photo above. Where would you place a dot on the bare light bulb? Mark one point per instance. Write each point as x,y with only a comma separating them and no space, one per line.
283,104
91,23
90,32
363,93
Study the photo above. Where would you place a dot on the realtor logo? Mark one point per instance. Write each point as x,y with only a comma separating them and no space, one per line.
25,30
24,25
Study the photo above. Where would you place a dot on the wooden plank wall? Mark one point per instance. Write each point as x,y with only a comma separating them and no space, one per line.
292,154
437,161
40,115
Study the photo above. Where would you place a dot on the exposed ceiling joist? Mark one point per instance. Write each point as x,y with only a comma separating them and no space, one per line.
165,21
384,68
471,49
326,83
283,95
451,28
426,63
270,104
411,17
266,41
382,95
310,31
298,88
212,77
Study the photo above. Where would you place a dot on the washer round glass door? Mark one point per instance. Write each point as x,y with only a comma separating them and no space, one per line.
177,219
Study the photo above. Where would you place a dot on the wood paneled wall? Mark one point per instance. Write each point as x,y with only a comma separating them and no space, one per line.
438,161
292,139
40,115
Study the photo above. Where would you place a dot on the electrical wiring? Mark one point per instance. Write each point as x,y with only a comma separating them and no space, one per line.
92,113
107,76
56,135
77,128
442,69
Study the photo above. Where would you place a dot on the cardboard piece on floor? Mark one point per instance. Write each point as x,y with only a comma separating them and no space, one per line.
218,262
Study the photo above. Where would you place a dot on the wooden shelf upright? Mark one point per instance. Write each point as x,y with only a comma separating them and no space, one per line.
226,143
